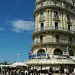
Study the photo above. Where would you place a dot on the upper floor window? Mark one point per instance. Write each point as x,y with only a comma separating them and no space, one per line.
42,26
68,17
70,39
67,7
55,13
55,2
41,15
73,2
41,38
56,25
57,38
68,27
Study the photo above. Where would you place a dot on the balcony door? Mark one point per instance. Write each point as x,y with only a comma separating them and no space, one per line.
42,26
56,25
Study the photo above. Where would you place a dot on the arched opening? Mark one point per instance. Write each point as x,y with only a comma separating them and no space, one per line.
58,52
40,52
71,53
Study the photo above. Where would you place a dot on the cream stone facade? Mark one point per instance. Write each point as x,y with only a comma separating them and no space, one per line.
54,32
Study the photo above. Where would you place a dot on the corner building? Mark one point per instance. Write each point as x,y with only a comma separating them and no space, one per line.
54,35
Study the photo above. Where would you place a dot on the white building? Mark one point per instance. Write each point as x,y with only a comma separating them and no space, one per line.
54,35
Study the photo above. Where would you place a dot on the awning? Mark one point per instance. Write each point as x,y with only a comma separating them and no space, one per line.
50,61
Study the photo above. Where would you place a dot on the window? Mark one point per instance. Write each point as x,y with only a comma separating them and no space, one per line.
40,52
58,52
41,15
57,38
41,38
55,13
55,2
70,40
71,53
56,25
42,26
66,6
73,2
68,27
68,17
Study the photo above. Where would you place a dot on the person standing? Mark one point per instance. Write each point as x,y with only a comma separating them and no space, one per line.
50,71
29,70
74,71
67,71
38,71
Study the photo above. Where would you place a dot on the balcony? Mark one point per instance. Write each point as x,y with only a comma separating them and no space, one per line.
56,18
53,43
53,6
53,29
42,19
68,2
69,22
37,0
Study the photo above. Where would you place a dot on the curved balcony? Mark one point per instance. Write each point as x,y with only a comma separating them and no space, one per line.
52,6
37,1
65,1
68,2
56,18
39,45
53,29
42,19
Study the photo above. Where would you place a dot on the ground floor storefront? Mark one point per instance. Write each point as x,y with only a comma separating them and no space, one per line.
56,68
58,65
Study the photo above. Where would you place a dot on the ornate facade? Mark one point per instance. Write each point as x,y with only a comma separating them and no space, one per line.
54,34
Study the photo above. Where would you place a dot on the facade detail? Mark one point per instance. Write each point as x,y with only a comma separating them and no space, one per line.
54,35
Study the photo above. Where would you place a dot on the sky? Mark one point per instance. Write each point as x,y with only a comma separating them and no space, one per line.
16,28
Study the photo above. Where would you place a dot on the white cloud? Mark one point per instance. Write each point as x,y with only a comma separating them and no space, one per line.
21,25
2,29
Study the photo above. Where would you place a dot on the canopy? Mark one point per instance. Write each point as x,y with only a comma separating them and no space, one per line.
4,65
18,64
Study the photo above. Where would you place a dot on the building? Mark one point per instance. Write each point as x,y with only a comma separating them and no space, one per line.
54,35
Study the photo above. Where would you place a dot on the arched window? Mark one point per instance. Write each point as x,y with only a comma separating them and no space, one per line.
40,52
58,52
71,53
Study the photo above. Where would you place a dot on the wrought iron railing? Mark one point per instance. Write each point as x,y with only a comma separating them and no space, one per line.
53,5
54,28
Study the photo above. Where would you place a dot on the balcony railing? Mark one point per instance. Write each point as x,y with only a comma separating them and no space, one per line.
37,1
42,18
39,7
72,44
53,29
68,1
56,18
69,22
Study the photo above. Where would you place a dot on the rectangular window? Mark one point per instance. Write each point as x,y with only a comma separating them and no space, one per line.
68,27
56,25
41,15
42,26
68,17
41,38
55,13
70,40
57,38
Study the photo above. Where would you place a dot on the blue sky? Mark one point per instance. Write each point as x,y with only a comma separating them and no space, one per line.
16,27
